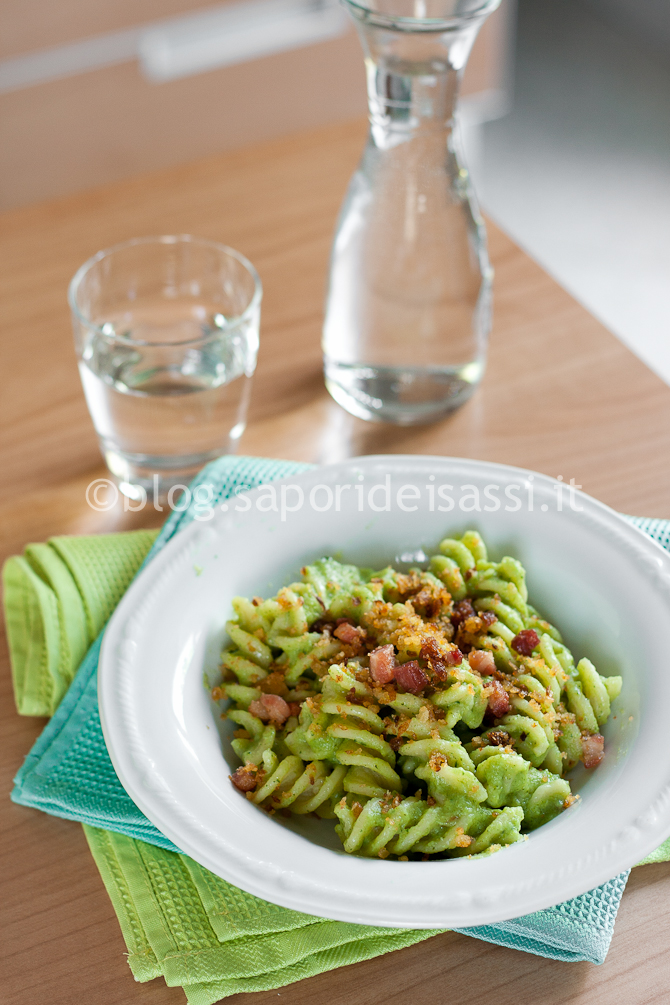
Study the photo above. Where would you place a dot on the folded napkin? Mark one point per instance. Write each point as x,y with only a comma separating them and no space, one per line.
197,931
177,919
58,598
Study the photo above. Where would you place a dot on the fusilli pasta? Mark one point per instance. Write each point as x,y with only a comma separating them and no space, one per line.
430,713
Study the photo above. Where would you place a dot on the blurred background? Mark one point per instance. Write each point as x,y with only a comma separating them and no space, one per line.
579,171
566,118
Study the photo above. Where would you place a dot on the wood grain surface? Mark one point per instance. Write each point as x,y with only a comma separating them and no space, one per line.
561,395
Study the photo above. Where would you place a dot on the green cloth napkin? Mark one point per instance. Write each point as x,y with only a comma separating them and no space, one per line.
58,597
178,920
197,931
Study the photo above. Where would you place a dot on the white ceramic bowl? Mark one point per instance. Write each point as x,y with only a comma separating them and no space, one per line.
605,584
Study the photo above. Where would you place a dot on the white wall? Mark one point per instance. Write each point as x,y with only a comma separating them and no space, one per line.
648,19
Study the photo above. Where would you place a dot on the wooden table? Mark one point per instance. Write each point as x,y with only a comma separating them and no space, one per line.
561,395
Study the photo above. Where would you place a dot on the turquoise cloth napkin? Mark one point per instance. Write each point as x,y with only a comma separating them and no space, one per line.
68,772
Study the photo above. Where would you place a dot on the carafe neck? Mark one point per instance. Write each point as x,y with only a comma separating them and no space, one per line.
414,71
408,99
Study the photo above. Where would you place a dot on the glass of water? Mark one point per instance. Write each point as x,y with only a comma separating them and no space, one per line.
166,331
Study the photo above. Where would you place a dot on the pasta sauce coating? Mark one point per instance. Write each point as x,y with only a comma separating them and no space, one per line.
432,713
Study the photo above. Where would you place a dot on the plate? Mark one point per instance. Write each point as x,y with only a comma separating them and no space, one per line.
604,583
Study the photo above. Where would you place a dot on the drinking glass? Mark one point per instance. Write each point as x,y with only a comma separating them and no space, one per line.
166,332
408,309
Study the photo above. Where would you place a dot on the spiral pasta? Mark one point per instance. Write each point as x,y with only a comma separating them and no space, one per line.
399,826
347,733
306,788
430,713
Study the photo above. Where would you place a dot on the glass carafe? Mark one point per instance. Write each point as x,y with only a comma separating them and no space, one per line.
408,309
